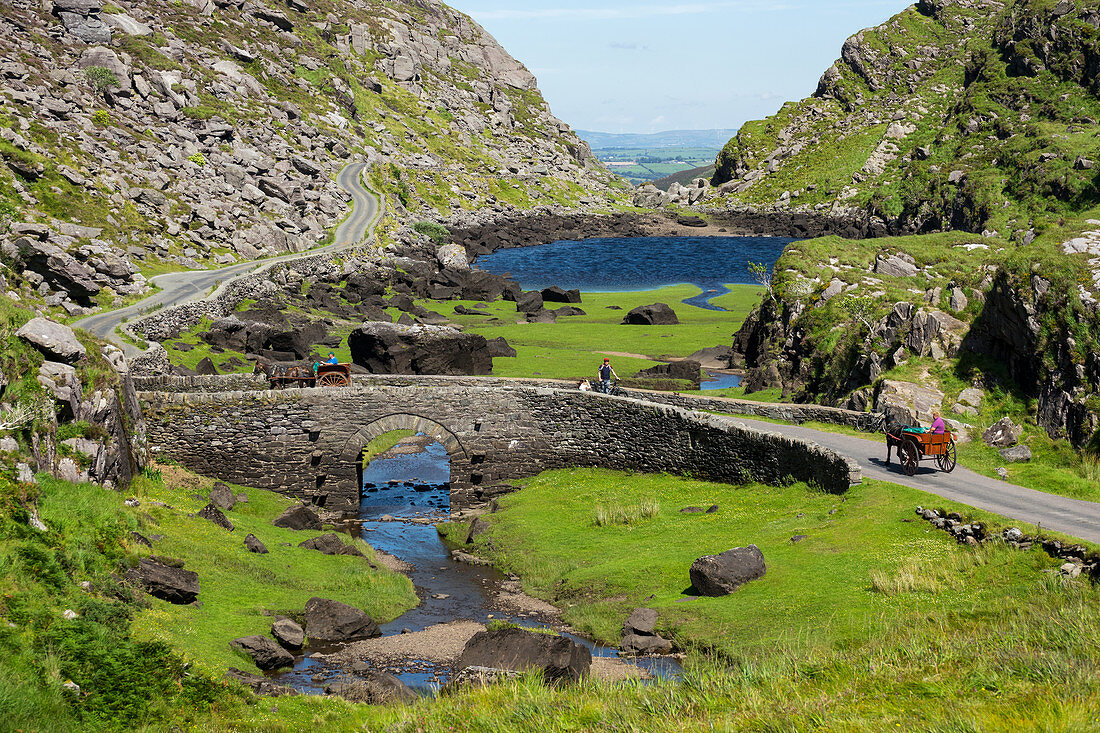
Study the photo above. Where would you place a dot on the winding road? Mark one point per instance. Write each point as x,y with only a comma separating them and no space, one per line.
1071,516
181,287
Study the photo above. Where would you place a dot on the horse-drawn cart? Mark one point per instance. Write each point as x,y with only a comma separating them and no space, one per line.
916,445
281,376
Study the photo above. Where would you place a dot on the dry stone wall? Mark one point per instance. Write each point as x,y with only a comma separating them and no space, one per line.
307,442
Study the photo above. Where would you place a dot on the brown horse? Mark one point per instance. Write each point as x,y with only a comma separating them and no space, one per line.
280,375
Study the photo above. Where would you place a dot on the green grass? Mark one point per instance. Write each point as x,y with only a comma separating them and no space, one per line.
547,533
238,587
572,347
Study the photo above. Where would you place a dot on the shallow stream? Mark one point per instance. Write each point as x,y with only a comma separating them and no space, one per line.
410,488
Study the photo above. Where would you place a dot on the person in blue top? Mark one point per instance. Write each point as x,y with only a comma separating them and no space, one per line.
605,372
332,359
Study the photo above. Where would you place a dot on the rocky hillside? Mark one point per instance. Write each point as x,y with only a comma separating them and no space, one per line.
970,117
139,137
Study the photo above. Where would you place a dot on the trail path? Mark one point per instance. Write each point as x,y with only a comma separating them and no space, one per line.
182,287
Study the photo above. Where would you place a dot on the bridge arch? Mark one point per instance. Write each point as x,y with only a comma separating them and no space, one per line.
352,452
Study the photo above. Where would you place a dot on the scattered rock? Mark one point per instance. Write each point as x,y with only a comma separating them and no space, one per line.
330,544
719,575
171,584
393,348
657,314
254,545
1016,454
328,620
266,654
298,516
288,633
554,294
500,347
639,635
1003,433
222,497
55,340
212,514
374,688
478,527
558,657
258,683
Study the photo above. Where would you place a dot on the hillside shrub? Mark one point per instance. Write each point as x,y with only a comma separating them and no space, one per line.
436,232
101,78
101,118
198,159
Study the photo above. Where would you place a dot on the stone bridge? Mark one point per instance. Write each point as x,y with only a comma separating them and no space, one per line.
308,443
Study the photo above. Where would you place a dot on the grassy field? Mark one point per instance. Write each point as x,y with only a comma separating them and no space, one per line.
574,346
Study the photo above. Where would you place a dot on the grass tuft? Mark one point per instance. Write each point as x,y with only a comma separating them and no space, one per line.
626,514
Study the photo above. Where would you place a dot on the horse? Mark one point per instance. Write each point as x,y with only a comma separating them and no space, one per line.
279,375
893,432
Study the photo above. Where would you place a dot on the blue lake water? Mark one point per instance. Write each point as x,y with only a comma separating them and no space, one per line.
638,263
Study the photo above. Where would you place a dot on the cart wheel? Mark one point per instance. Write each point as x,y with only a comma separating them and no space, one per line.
910,456
946,460
332,379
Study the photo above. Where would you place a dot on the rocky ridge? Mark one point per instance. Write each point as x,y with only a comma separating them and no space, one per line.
142,136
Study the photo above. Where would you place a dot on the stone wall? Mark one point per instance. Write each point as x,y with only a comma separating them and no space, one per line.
307,442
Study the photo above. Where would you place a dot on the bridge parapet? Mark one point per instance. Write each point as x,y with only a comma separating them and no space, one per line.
306,442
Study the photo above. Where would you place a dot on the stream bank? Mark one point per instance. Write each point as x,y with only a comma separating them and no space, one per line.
406,494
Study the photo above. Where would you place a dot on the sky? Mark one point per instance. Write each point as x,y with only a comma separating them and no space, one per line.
645,66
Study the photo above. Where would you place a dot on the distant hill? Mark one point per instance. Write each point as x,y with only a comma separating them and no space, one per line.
671,138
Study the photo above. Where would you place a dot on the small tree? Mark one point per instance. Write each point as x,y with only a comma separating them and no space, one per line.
760,274
101,78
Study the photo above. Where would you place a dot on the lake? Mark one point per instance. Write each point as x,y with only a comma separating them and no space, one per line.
638,263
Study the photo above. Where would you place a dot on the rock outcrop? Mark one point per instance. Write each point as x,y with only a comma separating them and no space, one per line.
720,575
166,582
557,657
328,620
389,348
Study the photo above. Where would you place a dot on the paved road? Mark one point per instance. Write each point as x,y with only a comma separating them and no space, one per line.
182,287
1071,516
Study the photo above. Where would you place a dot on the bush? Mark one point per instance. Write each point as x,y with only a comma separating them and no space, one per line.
101,78
198,159
101,118
436,232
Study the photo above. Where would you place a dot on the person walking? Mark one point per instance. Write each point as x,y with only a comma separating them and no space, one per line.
605,371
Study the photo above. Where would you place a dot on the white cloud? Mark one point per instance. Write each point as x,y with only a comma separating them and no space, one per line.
638,11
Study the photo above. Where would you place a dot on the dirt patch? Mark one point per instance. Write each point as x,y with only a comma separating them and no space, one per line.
512,599
393,562
611,669
439,644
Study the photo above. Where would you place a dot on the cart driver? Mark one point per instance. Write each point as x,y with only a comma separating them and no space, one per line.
332,359
938,427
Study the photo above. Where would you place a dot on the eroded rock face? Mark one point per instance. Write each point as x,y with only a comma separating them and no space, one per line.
328,620
658,314
174,585
720,575
391,348
264,652
1003,434
907,402
558,657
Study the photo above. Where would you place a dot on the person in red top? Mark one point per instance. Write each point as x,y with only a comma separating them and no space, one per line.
938,427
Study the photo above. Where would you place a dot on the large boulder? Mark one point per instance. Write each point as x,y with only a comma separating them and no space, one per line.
720,575
393,348
264,652
253,544
500,347
328,620
639,636
558,657
298,516
55,340
374,688
529,302
165,582
1003,434
900,265
330,544
657,314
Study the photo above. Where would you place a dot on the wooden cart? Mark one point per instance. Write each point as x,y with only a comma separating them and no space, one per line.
916,447
333,375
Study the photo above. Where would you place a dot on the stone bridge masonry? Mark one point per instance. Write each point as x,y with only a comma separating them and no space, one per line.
308,443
